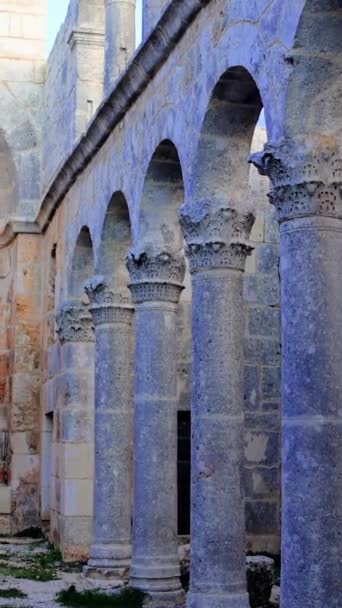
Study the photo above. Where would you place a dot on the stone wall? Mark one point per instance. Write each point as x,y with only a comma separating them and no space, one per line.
74,82
67,410
6,277
25,381
262,371
21,359
22,70
262,392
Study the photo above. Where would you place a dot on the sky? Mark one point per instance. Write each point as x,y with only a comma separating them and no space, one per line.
57,10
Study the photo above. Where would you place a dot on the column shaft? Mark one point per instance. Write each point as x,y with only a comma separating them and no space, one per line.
110,551
156,284
217,250
311,274
307,188
155,564
218,573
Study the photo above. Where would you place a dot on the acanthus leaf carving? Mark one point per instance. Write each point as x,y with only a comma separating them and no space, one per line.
74,323
303,182
107,306
216,238
156,275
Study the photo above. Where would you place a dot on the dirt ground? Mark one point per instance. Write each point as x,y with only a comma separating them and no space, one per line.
32,569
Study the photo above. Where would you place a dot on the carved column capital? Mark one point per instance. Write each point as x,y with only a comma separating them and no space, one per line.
216,238
156,276
107,307
304,182
74,323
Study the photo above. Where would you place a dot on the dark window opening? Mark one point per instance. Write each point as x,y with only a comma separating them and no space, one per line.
183,461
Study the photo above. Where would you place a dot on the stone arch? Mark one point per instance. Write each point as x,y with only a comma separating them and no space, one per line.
82,265
159,230
163,194
222,179
115,243
9,195
220,174
313,110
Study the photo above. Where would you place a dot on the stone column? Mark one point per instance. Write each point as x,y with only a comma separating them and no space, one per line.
307,187
217,250
151,11
110,551
119,38
72,497
156,285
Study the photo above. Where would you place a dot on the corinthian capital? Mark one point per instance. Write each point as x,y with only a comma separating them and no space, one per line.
156,275
107,307
304,182
74,323
216,238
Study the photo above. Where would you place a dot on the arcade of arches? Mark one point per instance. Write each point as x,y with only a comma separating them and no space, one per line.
171,292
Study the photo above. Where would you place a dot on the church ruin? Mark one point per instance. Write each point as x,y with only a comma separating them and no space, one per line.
171,291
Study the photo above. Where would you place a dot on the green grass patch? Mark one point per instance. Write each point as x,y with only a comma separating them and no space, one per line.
12,594
31,573
127,598
11,606
47,559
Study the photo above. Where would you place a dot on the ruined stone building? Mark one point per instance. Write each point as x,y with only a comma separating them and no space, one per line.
144,268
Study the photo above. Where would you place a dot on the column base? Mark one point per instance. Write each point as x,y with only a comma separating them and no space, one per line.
166,599
159,575
109,562
116,575
215,600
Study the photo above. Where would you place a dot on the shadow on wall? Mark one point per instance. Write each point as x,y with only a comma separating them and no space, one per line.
82,265
8,181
